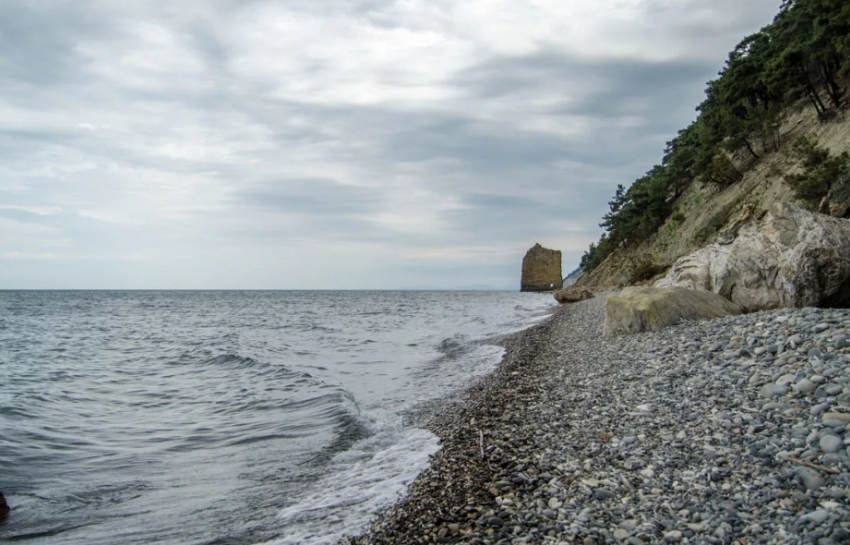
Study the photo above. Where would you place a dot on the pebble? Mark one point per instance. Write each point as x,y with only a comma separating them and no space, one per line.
602,494
810,478
817,516
805,386
842,417
773,390
819,408
723,431
830,443
674,536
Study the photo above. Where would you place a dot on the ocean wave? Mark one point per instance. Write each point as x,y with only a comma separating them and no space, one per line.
454,346
228,407
373,474
241,362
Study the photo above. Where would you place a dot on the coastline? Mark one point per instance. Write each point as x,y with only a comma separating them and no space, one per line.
456,483
445,502
681,435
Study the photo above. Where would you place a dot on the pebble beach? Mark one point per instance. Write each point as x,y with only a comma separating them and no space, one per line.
725,431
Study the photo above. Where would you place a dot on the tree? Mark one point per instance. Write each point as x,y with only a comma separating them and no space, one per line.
803,53
821,171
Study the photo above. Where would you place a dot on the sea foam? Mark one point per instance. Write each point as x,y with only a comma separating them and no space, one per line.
372,475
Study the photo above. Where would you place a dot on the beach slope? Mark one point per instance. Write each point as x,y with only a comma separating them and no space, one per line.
731,430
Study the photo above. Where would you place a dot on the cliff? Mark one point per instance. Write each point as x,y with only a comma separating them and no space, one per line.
772,128
541,269
705,213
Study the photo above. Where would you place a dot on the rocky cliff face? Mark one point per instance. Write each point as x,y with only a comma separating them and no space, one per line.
541,269
789,258
706,214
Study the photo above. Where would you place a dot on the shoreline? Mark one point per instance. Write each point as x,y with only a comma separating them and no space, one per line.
691,434
456,485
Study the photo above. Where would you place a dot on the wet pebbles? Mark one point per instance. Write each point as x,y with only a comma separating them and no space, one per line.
726,431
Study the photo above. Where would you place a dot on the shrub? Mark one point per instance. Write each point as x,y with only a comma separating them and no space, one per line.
677,218
821,171
644,269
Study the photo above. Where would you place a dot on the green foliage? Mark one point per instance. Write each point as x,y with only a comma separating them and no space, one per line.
711,228
809,41
645,269
717,221
804,53
821,170
677,218
721,171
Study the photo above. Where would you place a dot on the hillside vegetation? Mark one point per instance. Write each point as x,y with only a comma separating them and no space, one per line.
772,127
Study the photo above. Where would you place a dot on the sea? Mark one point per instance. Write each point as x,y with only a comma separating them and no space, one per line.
228,417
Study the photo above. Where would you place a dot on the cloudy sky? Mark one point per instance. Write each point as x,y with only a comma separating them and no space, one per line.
333,143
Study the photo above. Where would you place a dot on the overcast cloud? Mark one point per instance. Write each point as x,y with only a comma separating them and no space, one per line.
333,143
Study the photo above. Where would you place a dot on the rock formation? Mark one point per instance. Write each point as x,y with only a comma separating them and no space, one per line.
788,258
4,507
638,309
573,295
541,269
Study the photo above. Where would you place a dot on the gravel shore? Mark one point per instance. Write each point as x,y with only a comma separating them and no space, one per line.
725,431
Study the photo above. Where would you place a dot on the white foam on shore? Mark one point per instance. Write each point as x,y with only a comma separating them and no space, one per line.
376,472
369,477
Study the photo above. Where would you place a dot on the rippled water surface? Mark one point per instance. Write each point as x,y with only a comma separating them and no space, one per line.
227,417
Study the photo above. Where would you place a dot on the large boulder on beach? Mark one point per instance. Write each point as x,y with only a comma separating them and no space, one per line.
572,295
541,270
643,308
790,257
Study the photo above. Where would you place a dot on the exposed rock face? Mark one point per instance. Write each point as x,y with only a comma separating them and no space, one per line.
788,258
573,295
541,269
638,309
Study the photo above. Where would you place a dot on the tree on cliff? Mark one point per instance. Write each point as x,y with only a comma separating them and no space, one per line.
803,54
820,172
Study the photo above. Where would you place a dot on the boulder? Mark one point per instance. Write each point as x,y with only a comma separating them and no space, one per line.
643,308
541,269
787,258
573,295
4,507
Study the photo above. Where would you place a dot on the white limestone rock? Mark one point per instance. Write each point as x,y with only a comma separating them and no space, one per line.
788,258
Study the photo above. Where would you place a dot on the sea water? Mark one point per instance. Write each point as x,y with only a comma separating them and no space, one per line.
228,417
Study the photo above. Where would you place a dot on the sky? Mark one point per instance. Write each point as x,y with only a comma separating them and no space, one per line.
333,144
